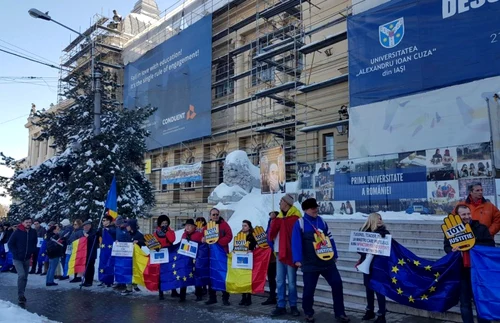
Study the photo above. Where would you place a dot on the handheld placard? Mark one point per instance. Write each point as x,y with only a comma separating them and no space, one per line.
459,235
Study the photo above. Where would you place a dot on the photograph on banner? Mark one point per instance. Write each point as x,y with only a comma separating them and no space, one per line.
497,186
272,170
337,207
412,159
442,164
488,184
305,175
344,166
474,160
442,196
306,194
181,174
380,179
475,169
324,176
411,206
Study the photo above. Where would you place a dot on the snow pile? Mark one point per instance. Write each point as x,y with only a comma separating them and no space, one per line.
13,313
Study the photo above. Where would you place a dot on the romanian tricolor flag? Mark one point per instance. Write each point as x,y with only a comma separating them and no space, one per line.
144,273
236,281
78,258
111,201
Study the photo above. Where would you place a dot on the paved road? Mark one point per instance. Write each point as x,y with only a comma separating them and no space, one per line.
67,303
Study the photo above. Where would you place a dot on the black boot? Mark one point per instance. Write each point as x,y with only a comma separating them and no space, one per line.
380,319
249,300
271,300
369,314
243,299
211,301
174,293
160,295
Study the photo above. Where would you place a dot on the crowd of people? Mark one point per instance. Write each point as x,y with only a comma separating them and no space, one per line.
292,235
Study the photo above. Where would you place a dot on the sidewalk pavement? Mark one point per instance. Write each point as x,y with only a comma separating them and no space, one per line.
67,303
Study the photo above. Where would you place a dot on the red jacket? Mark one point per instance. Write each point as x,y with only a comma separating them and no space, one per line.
166,239
225,234
283,225
196,236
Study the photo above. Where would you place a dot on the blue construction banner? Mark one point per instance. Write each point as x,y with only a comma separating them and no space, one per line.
175,77
409,46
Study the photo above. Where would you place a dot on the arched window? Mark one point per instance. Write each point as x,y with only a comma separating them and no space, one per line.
189,161
164,165
220,167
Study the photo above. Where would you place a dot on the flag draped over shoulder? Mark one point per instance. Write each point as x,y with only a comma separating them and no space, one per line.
106,262
485,263
179,271
78,258
42,254
417,282
111,201
145,274
231,280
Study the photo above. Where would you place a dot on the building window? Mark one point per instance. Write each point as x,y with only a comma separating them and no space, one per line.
189,185
220,167
328,147
164,187
263,72
224,71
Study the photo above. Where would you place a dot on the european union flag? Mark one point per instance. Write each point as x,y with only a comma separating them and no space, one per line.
485,263
202,265
42,254
106,262
416,282
123,270
178,272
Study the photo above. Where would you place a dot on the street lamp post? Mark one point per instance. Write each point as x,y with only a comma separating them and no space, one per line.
95,75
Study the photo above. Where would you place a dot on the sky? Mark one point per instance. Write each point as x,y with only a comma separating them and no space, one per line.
45,40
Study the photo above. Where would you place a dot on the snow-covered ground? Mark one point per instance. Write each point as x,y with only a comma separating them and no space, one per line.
10,312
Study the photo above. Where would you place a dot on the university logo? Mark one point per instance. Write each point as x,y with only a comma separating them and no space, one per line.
391,34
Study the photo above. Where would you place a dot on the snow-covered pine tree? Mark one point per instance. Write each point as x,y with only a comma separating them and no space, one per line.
74,183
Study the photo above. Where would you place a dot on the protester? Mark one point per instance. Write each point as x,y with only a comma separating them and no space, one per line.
166,237
225,237
247,229
191,234
281,234
109,226
483,238
137,238
55,250
308,240
201,224
482,210
67,229
92,245
122,235
373,224
271,268
40,233
75,235
22,244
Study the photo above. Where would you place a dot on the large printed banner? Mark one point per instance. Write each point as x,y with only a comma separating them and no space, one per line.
181,174
272,170
449,116
175,77
408,46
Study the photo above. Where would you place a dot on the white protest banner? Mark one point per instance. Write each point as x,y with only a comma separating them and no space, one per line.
39,243
188,248
242,260
69,249
158,257
372,243
122,249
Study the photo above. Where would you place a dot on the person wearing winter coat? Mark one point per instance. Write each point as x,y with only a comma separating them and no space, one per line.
22,244
92,245
137,238
75,235
281,234
55,250
247,228
40,233
483,238
108,225
66,231
373,224
310,239
191,234
166,237
225,237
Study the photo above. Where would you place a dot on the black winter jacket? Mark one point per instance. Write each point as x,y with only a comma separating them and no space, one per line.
22,243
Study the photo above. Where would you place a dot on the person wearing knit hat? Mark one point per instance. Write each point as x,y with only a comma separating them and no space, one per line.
166,237
314,251
281,234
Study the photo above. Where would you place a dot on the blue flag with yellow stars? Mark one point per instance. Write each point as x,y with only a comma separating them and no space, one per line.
178,272
106,262
416,282
42,254
486,265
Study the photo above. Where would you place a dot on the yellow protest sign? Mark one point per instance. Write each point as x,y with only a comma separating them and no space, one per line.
151,242
322,246
459,235
240,243
260,236
212,233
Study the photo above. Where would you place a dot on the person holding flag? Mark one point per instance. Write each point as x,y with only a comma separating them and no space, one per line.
191,234
166,237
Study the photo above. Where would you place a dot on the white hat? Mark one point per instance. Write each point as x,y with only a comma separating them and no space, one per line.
65,222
